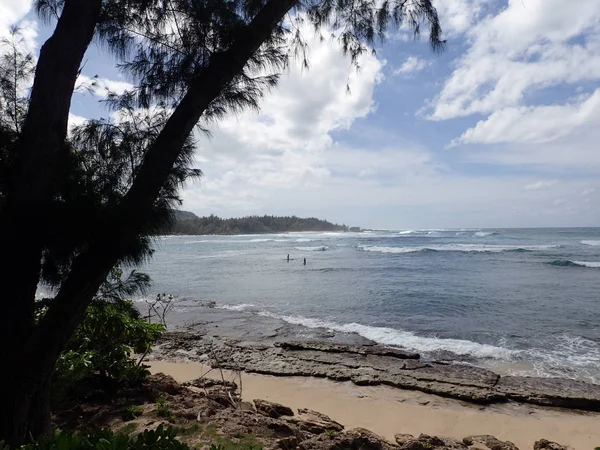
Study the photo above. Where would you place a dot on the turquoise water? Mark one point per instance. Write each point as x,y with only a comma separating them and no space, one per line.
521,301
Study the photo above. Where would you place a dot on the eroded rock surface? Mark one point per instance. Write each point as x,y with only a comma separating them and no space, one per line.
487,442
370,365
270,409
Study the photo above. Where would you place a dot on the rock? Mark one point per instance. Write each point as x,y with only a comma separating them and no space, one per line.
206,383
355,439
211,304
487,442
288,443
424,442
552,392
246,406
341,348
315,422
270,409
401,439
164,383
544,444
369,365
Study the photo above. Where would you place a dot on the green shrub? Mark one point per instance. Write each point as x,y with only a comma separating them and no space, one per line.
160,439
163,409
103,344
132,412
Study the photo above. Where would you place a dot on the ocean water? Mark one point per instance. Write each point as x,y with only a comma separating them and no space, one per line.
520,301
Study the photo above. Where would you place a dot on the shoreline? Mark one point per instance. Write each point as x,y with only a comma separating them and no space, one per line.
372,365
388,411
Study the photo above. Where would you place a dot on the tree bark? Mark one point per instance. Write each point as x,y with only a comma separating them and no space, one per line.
28,198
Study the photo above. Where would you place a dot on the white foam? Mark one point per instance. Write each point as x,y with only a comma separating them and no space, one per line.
377,248
484,233
468,248
242,307
399,338
592,243
321,248
408,232
304,240
592,264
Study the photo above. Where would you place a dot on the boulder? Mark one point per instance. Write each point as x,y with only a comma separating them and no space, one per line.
425,442
164,383
355,439
544,444
270,409
315,422
487,442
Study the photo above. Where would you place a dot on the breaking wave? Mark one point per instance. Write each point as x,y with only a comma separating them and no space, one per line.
593,243
569,263
312,249
465,248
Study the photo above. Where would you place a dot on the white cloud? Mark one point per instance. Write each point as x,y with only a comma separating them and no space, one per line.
458,16
535,125
100,87
528,46
540,185
411,65
287,146
75,120
11,13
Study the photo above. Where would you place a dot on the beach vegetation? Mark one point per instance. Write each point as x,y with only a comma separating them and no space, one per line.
163,409
132,412
77,201
99,353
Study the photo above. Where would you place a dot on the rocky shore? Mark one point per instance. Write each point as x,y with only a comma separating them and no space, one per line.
209,414
375,365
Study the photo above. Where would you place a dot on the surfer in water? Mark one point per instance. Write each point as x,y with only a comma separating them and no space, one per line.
288,258
304,261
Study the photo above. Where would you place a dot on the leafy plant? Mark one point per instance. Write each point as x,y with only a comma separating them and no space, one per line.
160,439
329,432
132,412
163,409
103,344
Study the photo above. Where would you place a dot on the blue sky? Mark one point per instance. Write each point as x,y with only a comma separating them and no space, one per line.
500,130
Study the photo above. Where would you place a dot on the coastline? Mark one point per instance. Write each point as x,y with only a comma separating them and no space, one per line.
388,411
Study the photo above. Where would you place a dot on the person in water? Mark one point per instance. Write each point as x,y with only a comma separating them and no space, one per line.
288,258
304,261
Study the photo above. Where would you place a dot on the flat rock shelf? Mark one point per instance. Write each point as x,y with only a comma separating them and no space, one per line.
370,365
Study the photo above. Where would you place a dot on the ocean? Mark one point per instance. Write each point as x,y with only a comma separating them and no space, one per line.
519,301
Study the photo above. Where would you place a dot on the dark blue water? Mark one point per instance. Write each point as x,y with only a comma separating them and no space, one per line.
520,301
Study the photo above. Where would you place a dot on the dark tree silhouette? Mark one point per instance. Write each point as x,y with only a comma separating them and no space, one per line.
71,208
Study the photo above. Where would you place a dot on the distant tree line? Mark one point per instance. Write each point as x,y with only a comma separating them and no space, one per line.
188,223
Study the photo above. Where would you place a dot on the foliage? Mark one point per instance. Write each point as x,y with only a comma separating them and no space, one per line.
163,409
251,224
132,412
16,71
103,343
160,439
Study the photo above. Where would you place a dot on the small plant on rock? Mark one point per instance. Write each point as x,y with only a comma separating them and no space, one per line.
133,412
163,409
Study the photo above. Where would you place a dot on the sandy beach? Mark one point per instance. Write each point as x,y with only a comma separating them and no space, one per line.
388,411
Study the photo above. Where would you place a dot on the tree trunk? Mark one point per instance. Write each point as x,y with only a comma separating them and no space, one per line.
22,220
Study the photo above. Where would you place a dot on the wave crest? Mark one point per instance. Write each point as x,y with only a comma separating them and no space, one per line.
465,248
593,243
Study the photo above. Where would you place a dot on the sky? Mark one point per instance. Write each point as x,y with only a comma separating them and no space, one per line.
501,130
